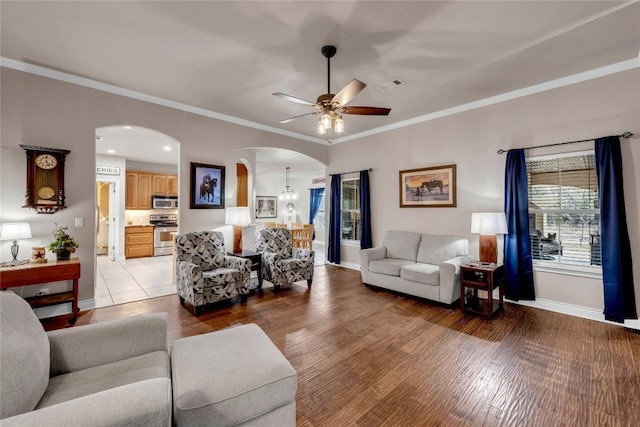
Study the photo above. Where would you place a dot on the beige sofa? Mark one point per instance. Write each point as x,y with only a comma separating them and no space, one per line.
423,265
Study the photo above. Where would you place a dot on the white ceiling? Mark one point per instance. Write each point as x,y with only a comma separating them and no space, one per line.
229,57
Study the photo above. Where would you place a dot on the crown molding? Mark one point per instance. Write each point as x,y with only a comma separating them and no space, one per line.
519,93
104,87
508,96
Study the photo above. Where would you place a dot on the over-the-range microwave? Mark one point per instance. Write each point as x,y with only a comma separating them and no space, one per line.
164,202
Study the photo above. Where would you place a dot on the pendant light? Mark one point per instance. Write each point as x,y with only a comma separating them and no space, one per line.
288,193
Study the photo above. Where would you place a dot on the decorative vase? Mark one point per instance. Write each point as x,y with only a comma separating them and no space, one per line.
62,255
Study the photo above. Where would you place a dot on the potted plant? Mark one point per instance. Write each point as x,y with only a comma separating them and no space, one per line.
63,245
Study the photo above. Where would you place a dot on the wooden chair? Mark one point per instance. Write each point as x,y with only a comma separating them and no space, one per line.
303,237
270,224
296,225
281,225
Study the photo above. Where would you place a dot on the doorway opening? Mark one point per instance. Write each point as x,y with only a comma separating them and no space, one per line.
137,175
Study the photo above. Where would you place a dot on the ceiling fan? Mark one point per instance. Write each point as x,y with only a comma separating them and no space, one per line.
329,106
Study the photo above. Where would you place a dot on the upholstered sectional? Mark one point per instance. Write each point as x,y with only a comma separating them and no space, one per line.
423,265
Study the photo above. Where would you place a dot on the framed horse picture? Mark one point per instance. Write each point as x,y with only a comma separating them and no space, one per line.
433,187
207,186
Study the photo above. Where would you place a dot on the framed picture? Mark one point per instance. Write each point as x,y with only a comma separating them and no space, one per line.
266,207
433,187
207,186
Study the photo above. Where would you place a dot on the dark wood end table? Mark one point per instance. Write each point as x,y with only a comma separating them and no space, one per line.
256,262
52,271
486,277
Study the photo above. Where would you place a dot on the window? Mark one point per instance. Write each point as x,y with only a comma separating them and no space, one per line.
318,221
350,210
564,217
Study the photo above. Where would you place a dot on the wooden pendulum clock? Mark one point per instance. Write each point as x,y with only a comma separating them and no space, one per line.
45,178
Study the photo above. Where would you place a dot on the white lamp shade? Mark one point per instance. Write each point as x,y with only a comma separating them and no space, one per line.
489,223
238,216
15,231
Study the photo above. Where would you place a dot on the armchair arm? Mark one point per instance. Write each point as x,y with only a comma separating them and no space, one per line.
306,254
242,264
145,403
83,347
367,255
450,278
190,271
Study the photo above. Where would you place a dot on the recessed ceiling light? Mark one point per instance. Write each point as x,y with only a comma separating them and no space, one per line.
166,148
127,127
111,151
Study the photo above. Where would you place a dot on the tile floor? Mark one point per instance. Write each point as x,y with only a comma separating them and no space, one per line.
132,280
141,278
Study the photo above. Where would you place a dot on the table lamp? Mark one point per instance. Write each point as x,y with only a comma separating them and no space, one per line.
237,216
15,231
488,224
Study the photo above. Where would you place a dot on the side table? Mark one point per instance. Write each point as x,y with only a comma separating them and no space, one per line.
486,277
52,271
256,262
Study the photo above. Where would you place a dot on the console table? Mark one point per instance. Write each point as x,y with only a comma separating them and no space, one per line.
52,271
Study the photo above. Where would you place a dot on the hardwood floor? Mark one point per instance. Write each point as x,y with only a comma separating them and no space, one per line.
367,357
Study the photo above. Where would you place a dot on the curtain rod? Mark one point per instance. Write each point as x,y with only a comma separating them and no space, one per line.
624,135
344,173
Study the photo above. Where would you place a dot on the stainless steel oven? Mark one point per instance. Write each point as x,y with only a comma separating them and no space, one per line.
164,229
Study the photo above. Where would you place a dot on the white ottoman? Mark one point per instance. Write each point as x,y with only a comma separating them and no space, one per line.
235,376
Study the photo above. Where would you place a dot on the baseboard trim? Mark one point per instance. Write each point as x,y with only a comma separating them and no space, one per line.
62,309
575,310
349,265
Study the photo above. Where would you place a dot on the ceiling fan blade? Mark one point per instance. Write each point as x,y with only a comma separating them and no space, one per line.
294,99
347,93
290,119
366,111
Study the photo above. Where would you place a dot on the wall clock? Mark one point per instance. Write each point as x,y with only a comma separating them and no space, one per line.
45,178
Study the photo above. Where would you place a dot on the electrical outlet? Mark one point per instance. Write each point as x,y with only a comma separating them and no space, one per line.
43,291
79,222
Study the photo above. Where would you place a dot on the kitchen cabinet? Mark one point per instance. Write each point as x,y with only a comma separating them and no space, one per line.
138,190
138,241
164,185
140,186
172,185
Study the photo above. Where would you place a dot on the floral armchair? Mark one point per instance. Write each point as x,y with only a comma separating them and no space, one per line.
281,263
205,273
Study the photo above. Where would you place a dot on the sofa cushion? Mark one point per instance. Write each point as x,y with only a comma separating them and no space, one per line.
24,352
422,273
388,266
88,381
402,244
435,249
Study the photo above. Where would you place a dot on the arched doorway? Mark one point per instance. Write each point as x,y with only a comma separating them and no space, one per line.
136,168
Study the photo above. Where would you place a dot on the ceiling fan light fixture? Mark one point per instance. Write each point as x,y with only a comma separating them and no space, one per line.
338,126
326,120
321,129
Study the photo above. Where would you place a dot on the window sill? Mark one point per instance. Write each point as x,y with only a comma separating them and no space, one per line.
569,270
355,243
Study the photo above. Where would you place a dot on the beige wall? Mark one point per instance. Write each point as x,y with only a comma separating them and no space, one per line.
45,112
605,106
41,111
